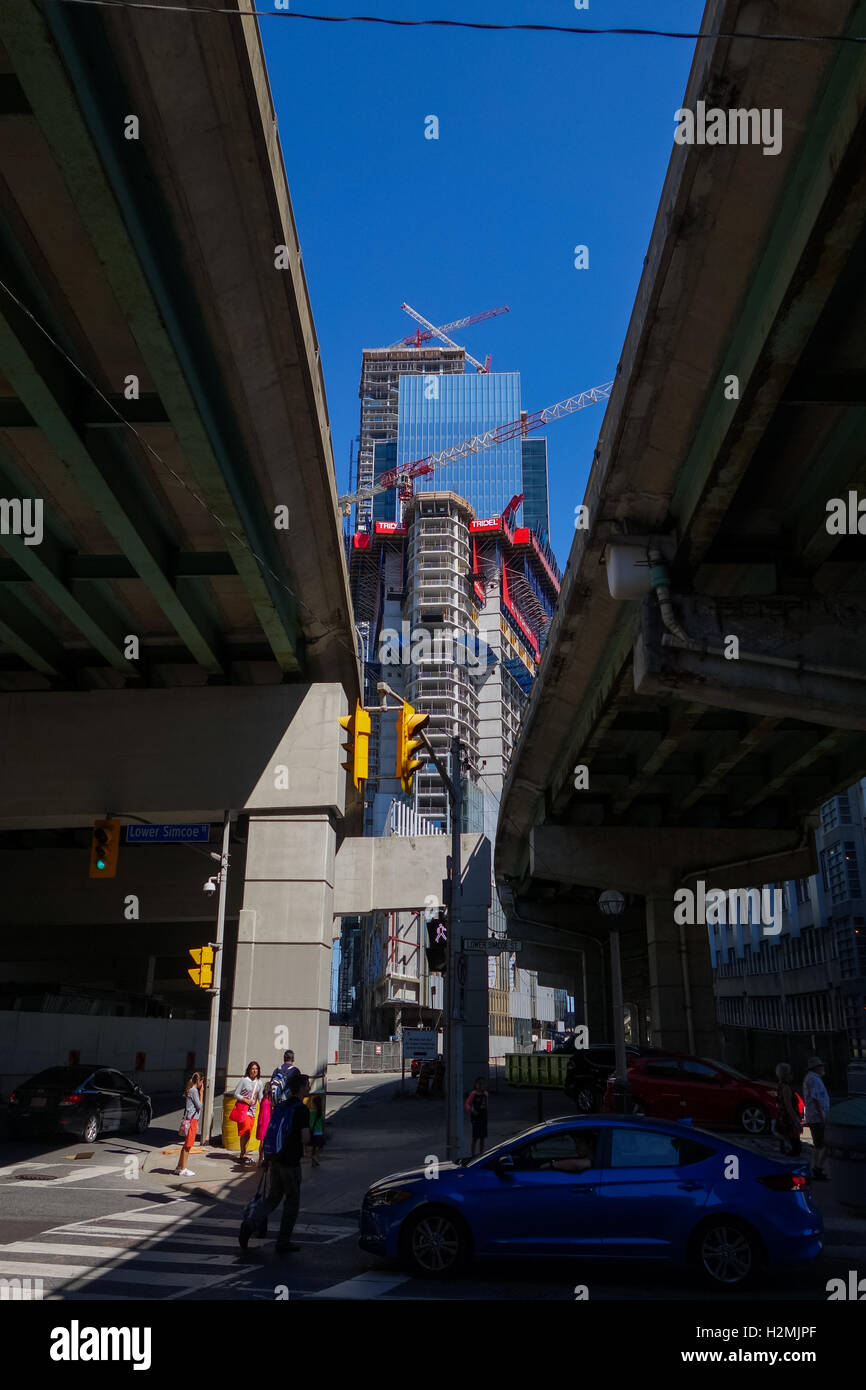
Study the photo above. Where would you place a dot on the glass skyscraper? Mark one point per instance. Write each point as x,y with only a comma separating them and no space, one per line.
384,459
438,411
536,512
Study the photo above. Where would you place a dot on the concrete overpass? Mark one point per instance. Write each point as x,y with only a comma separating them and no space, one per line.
181,627
656,751
176,633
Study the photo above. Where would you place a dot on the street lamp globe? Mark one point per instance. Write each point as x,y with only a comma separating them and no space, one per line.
611,902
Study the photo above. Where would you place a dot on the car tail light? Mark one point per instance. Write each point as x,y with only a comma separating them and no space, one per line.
785,1182
13,1099
70,1100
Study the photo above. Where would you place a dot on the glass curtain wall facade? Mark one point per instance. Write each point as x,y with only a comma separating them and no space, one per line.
436,413
536,511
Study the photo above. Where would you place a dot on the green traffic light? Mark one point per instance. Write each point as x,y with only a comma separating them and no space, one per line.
100,863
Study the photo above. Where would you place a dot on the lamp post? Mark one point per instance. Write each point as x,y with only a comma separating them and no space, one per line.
612,904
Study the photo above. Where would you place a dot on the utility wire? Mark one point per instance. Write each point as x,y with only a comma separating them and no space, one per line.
470,23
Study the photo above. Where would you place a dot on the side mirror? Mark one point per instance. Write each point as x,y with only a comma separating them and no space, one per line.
504,1166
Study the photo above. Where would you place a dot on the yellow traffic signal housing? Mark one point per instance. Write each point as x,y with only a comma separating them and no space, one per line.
409,726
104,848
357,747
203,974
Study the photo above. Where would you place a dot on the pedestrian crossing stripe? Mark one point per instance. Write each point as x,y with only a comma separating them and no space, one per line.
172,1247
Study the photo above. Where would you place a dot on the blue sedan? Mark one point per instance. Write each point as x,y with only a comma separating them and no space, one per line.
600,1187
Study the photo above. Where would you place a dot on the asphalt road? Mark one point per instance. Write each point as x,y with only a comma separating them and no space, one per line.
109,1222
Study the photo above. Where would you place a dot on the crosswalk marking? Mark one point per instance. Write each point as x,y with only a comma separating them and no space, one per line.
108,1252
174,1246
188,1236
370,1285
77,1273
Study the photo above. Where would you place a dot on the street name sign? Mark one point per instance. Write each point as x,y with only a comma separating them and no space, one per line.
168,834
488,945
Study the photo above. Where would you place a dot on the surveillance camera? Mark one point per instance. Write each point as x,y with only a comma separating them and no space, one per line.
210,886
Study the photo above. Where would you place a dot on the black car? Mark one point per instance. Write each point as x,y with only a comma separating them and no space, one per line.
588,1070
85,1101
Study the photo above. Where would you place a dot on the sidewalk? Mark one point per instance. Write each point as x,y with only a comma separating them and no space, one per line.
373,1131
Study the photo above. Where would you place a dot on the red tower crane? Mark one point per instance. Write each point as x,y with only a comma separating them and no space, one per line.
422,336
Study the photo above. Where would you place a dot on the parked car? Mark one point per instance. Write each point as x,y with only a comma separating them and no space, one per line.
674,1086
587,1074
85,1101
605,1187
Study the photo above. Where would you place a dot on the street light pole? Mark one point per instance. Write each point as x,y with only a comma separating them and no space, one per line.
611,902
454,959
213,1031
453,1025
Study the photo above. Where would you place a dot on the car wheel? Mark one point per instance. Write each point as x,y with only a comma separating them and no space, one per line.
435,1243
90,1132
584,1099
754,1119
142,1119
727,1253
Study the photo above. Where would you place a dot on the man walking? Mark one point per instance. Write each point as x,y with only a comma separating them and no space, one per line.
278,1090
284,1169
817,1104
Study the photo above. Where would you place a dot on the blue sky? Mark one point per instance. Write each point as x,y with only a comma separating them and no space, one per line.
545,141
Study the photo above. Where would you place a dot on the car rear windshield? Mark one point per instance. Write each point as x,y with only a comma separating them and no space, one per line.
60,1076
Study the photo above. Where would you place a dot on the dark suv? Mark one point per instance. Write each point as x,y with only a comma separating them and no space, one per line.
588,1070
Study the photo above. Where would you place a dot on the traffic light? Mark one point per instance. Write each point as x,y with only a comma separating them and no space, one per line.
437,937
357,748
409,725
203,974
103,849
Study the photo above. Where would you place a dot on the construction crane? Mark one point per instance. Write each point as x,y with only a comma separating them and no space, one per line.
417,338
403,477
440,333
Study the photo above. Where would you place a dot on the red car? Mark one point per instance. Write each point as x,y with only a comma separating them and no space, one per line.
678,1087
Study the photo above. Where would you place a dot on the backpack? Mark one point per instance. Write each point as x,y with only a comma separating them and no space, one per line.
279,1128
278,1089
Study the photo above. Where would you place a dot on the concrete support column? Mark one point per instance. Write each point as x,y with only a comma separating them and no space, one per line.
476,1037
681,982
283,970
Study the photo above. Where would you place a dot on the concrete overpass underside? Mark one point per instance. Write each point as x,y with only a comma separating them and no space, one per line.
656,750
176,636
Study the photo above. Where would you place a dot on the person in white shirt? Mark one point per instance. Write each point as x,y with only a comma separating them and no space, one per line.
817,1101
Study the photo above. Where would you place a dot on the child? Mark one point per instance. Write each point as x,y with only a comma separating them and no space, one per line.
317,1129
476,1109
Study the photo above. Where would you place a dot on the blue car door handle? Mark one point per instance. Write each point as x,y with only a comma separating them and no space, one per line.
689,1186
583,1187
